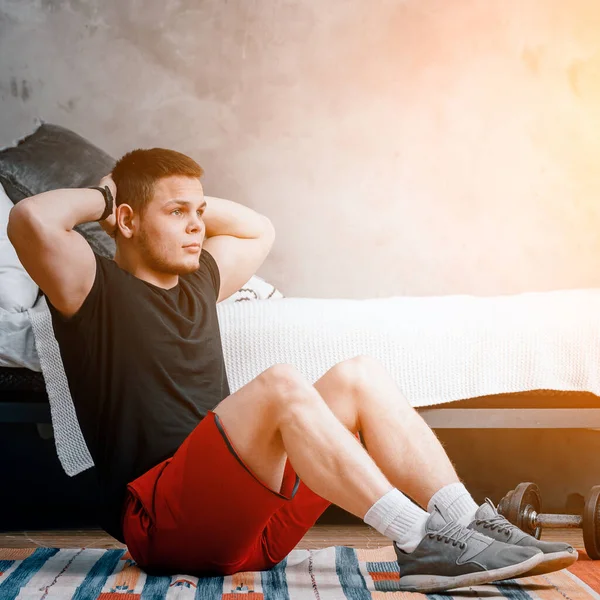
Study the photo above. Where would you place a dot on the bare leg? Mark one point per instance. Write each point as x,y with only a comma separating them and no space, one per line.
364,397
280,415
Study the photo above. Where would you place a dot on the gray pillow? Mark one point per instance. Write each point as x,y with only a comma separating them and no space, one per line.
54,157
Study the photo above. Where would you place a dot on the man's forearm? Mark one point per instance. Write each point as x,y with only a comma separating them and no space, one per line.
224,217
65,208
62,208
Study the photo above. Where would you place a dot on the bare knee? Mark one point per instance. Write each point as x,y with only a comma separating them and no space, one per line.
363,374
281,379
283,383
289,394
358,372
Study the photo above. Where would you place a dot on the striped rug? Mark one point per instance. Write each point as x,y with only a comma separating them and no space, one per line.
334,573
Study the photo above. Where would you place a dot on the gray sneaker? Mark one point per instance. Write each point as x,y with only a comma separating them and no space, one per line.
452,556
556,555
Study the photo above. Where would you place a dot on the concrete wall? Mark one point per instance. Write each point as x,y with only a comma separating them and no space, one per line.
399,147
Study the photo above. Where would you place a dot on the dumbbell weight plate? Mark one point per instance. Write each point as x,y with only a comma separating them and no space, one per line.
504,506
524,500
591,523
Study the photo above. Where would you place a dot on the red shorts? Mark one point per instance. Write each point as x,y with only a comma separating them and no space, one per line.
204,512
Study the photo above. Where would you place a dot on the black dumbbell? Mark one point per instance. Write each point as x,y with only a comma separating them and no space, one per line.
523,505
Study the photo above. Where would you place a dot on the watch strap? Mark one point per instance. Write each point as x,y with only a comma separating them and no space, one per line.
108,199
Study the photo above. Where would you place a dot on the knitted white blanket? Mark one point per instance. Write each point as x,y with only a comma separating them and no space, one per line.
437,349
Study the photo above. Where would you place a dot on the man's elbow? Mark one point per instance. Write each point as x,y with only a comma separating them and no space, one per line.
22,223
269,229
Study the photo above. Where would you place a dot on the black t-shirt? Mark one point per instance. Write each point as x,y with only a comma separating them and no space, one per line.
144,366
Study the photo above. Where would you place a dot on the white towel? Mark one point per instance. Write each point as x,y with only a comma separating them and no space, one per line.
437,349
68,438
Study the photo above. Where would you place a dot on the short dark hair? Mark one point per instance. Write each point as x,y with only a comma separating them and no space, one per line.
136,173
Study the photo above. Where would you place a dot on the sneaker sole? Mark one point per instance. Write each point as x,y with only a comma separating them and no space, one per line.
554,561
439,583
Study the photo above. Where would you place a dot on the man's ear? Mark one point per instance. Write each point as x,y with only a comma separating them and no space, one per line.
126,221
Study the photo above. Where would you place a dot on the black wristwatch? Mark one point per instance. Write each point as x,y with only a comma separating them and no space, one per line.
108,199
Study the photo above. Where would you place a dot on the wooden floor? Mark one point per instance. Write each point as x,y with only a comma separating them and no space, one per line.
320,536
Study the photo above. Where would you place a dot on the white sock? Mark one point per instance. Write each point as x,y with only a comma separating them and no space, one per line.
398,518
456,501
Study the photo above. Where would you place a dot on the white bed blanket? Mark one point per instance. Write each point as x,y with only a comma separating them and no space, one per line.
437,349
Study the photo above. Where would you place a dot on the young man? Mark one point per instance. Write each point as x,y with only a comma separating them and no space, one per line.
199,480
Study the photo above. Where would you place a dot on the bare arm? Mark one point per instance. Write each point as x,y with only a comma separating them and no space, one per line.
56,257
239,239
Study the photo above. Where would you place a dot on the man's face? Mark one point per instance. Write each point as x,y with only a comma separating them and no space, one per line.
171,229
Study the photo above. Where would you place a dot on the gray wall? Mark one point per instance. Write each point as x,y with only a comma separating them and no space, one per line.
399,147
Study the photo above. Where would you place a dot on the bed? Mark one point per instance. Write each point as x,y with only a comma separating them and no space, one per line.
520,361
512,362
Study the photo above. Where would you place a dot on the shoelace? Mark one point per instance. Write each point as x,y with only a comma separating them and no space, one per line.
497,522
453,532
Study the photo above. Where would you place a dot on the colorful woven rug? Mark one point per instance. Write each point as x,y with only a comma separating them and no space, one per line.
334,573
